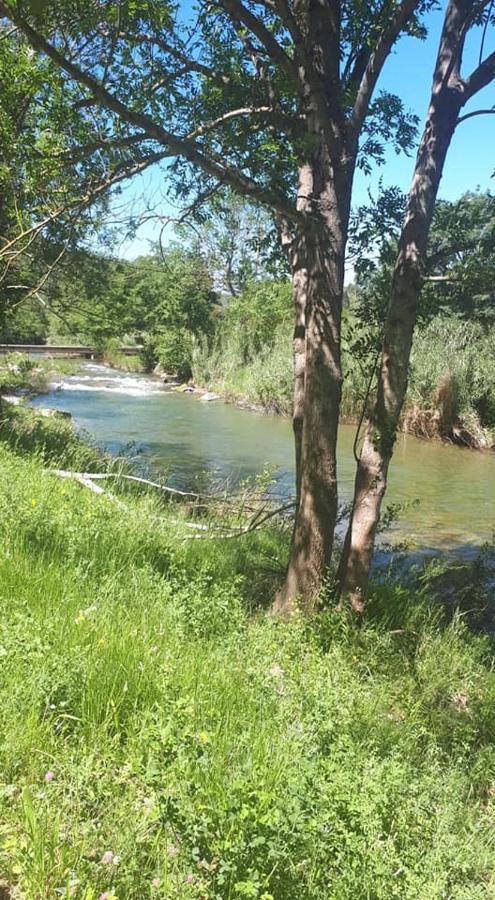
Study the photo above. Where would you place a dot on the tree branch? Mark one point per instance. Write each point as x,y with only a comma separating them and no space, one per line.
479,78
237,10
190,65
212,163
269,112
377,59
477,112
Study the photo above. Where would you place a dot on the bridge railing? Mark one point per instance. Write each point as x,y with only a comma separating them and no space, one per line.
58,350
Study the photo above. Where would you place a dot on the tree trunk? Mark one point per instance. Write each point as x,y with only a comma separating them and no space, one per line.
381,425
299,290
319,285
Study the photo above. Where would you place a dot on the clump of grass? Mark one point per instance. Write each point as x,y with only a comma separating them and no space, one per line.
19,372
159,741
51,438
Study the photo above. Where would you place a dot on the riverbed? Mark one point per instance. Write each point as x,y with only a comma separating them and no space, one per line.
447,494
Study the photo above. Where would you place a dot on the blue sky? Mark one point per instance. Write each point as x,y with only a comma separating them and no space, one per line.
408,72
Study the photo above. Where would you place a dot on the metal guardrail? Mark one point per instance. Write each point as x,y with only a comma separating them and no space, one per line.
57,350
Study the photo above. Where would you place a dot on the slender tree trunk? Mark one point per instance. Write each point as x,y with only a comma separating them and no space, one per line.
381,424
297,256
299,291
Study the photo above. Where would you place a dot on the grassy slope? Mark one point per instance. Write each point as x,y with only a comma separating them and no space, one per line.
224,755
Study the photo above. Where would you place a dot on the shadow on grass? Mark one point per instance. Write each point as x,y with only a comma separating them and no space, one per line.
453,583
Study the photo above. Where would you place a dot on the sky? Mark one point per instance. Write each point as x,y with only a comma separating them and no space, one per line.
408,72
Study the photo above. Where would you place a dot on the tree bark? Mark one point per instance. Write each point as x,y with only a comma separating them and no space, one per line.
447,98
318,284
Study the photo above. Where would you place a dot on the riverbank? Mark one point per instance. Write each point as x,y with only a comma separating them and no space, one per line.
451,393
162,738
23,375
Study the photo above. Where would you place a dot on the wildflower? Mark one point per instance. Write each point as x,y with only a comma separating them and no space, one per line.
34,502
80,618
148,802
107,858
102,642
49,776
107,895
173,851
155,883
190,879
203,737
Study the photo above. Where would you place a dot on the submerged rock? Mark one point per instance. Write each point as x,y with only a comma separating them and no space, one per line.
210,396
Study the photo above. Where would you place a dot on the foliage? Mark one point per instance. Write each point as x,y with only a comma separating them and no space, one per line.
459,268
176,296
229,99
19,372
161,300
251,360
238,242
463,353
182,749
52,196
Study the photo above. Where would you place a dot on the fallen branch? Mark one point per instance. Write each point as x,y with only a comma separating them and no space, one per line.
214,532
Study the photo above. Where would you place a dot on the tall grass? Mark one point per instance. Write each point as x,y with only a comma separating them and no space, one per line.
159,741
451,384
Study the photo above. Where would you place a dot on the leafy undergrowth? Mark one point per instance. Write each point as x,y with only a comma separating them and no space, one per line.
159,740
126,363
19,372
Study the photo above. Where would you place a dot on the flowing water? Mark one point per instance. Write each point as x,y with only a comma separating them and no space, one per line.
447,493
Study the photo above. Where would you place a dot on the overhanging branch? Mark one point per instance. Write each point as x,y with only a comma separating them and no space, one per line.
212,163
377,58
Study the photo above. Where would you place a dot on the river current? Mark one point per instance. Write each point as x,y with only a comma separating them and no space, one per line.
447,493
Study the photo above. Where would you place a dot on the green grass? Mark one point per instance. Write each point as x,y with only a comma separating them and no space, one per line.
120,360
19,372
207,746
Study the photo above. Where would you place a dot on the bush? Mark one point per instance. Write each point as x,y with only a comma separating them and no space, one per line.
172,349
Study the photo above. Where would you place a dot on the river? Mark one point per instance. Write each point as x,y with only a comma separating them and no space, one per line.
447,493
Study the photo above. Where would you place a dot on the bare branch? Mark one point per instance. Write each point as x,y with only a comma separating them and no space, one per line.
477,112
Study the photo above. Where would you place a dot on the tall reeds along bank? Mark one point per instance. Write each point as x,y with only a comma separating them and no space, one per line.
451,393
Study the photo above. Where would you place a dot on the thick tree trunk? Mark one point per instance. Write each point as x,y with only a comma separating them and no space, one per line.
316,413
381,425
